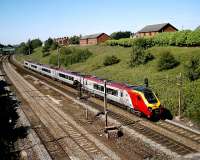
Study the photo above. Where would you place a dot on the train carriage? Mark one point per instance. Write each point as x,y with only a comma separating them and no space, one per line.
138,99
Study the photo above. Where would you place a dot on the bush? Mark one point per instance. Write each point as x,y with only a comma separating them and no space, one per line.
36,43
139,56
167,61
76,56
120,34
110,60
53,59
44,54
192,102
193,38
74,40
192,69
65,50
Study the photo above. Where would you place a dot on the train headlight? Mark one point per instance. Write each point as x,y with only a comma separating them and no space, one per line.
150,109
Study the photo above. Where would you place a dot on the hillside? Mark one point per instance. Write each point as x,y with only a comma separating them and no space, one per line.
163,83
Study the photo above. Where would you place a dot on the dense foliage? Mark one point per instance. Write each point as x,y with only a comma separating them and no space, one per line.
49,45
69,56
35,43
191,107
74,40
193,68
121,34
28,47
139,56
110,60
167,61
182,38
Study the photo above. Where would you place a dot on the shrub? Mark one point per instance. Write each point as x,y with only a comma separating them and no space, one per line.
167,61
53,59
110,60
192,102
65,51
193,38
44,54
76,56
181,38
120,34
192,69
36,43
139,56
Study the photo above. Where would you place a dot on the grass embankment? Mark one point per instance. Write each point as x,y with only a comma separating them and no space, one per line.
163,83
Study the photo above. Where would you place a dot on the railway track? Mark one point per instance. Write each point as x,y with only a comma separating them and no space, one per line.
72,139
141,125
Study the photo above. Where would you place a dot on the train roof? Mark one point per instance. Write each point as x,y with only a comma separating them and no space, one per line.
109,82
58,69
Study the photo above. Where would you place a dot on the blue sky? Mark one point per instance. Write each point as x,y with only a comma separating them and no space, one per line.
24,19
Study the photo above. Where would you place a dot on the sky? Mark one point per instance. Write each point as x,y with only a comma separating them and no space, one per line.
21,20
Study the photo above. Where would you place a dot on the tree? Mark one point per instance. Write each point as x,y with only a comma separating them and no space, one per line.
74,40
120,34
29,47
35,43
48,42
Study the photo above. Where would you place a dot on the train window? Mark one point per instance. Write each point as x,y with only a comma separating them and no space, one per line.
62,75
112,92
150,96
46,70
70,78
33,66
98,87
101,88
95,86
26,63
121,94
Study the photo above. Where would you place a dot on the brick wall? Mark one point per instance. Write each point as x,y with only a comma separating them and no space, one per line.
83,42
103,38
92,41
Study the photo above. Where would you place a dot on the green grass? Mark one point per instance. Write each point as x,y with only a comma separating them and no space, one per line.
163,83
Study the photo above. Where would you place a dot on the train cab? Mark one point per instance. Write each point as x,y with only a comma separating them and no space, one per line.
144,100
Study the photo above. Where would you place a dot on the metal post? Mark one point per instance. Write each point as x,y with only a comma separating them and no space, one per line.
58,57
180,96
146,82
105,104
80,92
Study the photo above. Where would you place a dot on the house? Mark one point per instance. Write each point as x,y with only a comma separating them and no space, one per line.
63,41
94,39
151,30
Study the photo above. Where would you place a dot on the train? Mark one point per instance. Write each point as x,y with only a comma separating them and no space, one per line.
136,98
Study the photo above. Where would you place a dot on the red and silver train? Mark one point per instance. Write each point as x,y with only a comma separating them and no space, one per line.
137,99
